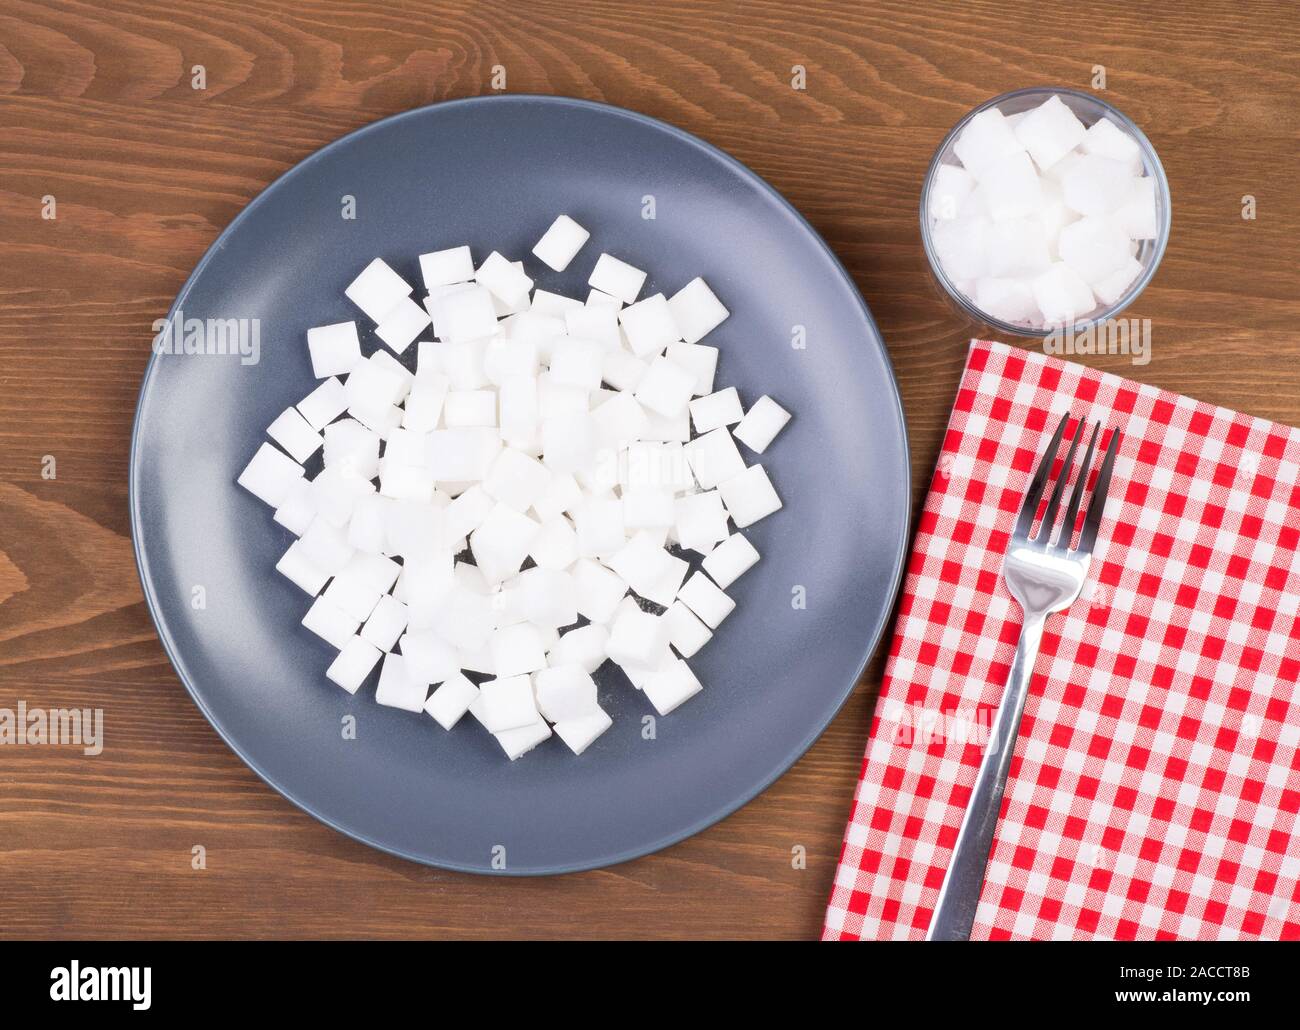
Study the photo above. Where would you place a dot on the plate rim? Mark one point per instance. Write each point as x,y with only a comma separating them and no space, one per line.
732,805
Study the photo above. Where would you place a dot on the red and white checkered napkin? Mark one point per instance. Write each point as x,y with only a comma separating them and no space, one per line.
1156,783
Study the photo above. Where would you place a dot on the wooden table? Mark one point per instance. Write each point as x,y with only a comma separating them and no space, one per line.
98,110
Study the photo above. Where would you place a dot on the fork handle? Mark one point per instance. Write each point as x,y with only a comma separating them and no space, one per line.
959,897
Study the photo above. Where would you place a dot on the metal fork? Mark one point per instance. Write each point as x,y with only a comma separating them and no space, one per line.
1044,574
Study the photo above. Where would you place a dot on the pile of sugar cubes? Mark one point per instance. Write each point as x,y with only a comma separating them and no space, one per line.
516,511
1039,224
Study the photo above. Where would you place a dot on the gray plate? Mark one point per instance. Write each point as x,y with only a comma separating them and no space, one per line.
493,172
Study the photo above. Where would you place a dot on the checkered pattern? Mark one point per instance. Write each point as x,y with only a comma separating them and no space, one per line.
1156,782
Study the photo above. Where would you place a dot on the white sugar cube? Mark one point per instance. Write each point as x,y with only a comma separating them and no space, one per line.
451,701
507,703
325,403
577,362
353,664
503,279
1096,185
698,359
301,570
671,684
584,647
601,299
749,496
761,424
617,278
295,435
1017,247
330,622
1111,288
462,455
986,140
467,512
556,546
547,598
397,687
366,528
637,638
714,458
649,325
466,314
599,590
717,409
647,567
372,388
730,560
1106,139
685,631
565,692
406,447
466,618
270,475
562,494
1011,300
334,348
666,388
1062,295
621,369
1010,189
963,246
568,442
516,479
597,324
647,508
298,508
619,421
552,304
385,624
336,493
696,310
402,324
706,600
377,290
464,408
1055,215
1137,215
352,595
501,543
429,658
518,742
1094,247
386,360
561,243
351,445
1049,132
600,527
444,267
579,734
948,191
700,520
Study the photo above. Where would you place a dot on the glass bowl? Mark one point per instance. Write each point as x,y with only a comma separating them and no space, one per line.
1088,109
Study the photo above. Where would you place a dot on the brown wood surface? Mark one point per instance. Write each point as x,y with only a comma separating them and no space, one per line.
97,109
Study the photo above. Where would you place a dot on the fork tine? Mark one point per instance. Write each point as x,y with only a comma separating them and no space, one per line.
1097,502
1076,495
1029,507
1054,505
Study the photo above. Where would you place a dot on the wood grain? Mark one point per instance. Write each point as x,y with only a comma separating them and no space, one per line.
97,109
